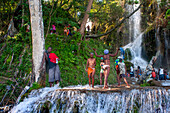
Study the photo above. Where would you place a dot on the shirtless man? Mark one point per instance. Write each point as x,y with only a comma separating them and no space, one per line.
106,58
91,63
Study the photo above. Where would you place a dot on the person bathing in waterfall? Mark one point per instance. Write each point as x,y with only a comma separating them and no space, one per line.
102,71
90,69
106,58
123,72
52,61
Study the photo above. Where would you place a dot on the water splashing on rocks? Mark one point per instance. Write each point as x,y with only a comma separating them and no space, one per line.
81,99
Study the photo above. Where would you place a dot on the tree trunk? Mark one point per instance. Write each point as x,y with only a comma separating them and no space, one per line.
38,41
86,16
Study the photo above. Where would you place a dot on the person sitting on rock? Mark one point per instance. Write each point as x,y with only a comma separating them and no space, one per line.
131,71
161,73
139,72
153,74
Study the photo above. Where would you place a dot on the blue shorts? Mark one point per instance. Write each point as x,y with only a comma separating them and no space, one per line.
122,75
161,77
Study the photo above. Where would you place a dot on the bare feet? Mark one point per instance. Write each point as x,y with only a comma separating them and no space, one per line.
127,86
118,86
105,87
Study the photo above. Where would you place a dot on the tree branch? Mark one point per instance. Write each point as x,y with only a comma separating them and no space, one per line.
95,36
49,20
11,61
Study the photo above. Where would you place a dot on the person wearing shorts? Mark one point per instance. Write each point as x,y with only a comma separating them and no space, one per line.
90,69
122,69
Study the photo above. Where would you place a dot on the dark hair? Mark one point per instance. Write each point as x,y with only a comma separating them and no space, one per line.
49,47
120,60
138,67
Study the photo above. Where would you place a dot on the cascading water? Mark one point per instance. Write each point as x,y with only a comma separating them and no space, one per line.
135,37
80,99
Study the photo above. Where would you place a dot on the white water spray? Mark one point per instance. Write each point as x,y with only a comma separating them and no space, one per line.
80,99
135,37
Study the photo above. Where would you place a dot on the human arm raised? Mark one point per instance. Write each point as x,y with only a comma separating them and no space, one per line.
112,55
96,53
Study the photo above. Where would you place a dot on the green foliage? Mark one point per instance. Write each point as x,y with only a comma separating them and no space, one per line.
128,64
128,55
73,54
145,84
132,2
35,85
167,14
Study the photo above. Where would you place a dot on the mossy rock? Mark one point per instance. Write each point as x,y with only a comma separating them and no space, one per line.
45,108
128,55
128,64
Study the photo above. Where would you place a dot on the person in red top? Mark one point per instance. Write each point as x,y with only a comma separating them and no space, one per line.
153,73
52,61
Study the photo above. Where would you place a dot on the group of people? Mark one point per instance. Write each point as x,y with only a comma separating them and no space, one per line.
161,74
67,30
120,67
138,72
53,29
105,68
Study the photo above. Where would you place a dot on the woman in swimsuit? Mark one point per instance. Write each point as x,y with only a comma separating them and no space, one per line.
106,58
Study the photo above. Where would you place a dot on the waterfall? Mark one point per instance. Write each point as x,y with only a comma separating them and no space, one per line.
135,37
80,99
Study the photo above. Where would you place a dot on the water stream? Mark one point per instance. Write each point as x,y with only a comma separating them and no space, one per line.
135,37
81,99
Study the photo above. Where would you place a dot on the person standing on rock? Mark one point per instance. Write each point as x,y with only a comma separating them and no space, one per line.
123,72
54,71
106,58
90,69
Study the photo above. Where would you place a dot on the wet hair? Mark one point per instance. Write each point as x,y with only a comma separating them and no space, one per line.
138,67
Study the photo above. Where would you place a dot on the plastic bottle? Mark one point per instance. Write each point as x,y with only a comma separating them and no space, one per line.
56,60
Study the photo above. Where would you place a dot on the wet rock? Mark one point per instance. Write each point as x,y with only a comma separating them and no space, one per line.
154,83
